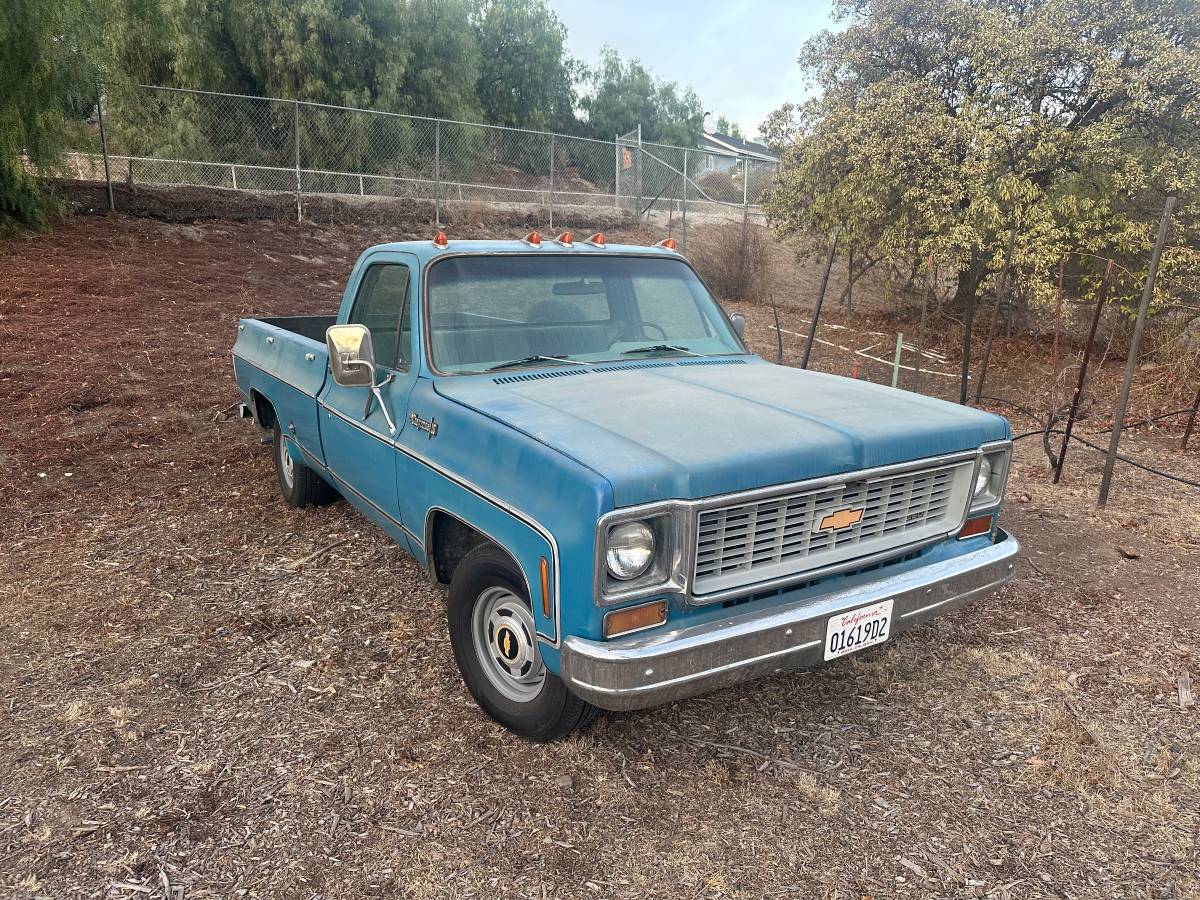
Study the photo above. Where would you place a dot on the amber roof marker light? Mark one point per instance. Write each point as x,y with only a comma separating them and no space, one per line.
533,239
596,240
440,241
567,239
668,244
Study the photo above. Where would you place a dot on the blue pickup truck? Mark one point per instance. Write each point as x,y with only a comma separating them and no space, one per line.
627,505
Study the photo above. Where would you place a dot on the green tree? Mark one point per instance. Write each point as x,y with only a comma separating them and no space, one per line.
626,94
48,52
526,78
415,56
733,129
943,125
780,127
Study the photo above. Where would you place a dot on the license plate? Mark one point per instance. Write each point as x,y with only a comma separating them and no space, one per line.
857,629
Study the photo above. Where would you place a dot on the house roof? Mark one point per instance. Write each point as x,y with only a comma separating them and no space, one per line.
731,144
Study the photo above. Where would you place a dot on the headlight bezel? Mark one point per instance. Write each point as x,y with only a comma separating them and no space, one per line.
998,455
664,575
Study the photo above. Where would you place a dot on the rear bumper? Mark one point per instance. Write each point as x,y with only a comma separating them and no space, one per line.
647,670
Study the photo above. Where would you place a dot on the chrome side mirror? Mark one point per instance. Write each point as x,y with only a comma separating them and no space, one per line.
351,355
739,324
352,362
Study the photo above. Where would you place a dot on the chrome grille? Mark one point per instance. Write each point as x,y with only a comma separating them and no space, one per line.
745,543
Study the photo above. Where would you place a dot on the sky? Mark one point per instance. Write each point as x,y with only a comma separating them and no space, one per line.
738,55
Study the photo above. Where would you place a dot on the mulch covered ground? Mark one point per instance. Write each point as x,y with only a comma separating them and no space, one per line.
205,694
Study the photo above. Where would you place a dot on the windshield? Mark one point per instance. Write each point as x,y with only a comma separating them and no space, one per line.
513,310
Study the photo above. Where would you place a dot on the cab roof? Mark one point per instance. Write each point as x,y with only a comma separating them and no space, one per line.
426,250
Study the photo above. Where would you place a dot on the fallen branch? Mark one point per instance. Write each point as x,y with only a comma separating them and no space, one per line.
299,564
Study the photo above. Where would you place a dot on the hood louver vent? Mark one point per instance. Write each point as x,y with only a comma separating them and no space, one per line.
620,367
538,376
629,367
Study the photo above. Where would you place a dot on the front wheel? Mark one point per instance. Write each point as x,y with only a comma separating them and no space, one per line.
494,637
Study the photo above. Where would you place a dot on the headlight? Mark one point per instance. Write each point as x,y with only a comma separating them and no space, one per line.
630,550
990,478
984,478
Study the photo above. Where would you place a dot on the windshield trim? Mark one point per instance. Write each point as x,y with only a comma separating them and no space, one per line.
427,337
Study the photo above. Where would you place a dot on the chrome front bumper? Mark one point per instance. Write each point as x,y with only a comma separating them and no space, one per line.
650,669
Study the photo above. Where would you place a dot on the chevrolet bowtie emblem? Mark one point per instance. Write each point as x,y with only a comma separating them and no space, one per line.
843,518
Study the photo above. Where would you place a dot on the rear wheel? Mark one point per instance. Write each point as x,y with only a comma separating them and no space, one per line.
298,484
494,637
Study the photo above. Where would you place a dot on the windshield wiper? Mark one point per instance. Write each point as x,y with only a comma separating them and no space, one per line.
558,359
662,348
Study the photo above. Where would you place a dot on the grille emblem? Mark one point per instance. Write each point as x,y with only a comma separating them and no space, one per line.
843,518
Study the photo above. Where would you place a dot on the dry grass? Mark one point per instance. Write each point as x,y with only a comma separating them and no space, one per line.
732,258
184,710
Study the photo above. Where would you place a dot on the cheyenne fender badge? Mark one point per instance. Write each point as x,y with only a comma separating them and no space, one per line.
429,425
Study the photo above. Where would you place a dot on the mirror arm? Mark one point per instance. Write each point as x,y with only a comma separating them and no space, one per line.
378,395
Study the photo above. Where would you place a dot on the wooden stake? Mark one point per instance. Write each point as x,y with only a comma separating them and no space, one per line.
1139,328
812,331
1083,367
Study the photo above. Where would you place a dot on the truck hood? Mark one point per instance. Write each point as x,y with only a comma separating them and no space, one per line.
687,429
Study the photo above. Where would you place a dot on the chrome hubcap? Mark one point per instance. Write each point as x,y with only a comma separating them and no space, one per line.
505,639
286,465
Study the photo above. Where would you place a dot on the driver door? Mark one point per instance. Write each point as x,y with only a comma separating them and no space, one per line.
357,439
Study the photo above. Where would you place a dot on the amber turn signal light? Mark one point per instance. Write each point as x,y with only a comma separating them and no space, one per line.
635,618
545,588
975,527
668,244
439,240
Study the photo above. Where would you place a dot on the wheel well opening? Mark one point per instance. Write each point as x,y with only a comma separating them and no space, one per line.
450,540
264,412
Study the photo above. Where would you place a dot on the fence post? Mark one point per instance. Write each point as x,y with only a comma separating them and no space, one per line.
812,331
1083,367
896,358
233,175
551,181
296,138
1131,363
683,205
616,171
112,206
639,174
437,173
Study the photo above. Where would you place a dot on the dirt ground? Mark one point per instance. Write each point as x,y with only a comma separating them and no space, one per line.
206,694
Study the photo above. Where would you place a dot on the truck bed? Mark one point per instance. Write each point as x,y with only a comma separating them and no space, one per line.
284,359
311,327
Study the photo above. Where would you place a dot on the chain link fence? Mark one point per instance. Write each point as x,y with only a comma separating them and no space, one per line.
223,154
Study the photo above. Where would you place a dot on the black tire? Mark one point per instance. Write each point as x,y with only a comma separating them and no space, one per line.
550,714
299,485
